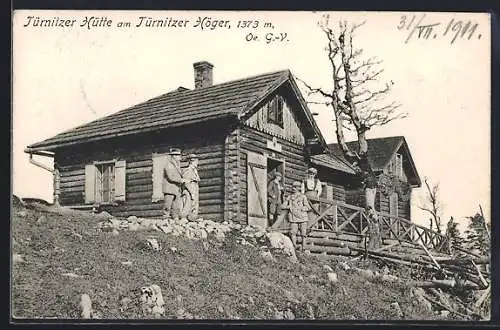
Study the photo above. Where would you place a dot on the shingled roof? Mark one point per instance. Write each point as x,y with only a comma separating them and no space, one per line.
381,151
334,162
176,108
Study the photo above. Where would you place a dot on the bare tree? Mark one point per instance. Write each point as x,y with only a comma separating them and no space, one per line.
432,204
356,98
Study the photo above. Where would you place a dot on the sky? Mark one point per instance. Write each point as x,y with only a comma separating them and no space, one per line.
65,76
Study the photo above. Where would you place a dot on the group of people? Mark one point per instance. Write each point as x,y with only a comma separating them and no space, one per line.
180,187
297,206
181,195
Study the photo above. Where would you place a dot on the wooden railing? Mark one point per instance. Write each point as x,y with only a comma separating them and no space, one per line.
337,216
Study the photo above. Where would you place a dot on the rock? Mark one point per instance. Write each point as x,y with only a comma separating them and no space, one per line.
17,258
396,309
220,309
104,214
389,278
366,273
200,233
278,315
259,234
123,225
418,294
86,306
283,243
310,312
219,235
152,300
332,277
290,297
267,255
251,300
288,315
115,223
182,314
166,229
445,313
132,218
173,249
182,221
189,233
72,275
124,303
134,226
115,232
153,244
41,220
328,268
344,265
127,263
158,311
22,214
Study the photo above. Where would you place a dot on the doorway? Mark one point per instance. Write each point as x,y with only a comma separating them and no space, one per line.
274,166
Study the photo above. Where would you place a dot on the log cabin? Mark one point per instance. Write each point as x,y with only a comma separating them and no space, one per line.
243,131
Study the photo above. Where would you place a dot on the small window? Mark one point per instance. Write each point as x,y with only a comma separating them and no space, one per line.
275,111
399,165
105,182
396,166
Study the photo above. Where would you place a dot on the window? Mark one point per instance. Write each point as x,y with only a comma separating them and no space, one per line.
275,111
399,165
105,182
396,165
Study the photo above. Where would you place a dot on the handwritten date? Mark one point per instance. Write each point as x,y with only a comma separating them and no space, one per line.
454,29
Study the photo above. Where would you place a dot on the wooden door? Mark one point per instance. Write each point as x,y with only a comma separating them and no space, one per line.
257,189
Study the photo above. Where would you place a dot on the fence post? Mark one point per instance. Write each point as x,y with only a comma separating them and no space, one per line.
334,214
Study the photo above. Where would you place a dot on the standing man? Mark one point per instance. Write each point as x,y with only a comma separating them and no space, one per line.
190,192
172,182
275,198
298,207
311,187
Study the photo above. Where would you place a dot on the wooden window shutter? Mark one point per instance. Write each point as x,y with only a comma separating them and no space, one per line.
158,165
90,184
393,204
120,181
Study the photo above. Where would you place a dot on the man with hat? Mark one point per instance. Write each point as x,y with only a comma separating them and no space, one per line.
298,206
274,198
190,193
172,182
311,187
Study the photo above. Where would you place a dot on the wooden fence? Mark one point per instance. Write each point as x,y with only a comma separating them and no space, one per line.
339,217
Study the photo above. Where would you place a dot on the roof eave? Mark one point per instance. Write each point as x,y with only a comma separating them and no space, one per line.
51,147
320,163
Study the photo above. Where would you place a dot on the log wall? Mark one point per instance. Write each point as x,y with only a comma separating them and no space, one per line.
293,154
207,141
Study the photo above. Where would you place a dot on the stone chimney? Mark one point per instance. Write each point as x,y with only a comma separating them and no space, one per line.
203,74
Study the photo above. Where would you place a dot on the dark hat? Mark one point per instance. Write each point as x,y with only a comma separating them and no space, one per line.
175,151
192,156
312,170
